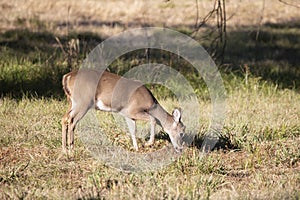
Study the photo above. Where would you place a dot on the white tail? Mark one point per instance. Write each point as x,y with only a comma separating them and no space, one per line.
106,91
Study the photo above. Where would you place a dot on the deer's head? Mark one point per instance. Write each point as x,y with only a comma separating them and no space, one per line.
176,130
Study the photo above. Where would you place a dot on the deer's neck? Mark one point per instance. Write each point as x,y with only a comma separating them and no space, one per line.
163,117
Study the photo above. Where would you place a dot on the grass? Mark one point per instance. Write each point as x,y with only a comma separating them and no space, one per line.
257,156
262,124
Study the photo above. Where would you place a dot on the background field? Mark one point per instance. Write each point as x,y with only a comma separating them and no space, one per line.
258,155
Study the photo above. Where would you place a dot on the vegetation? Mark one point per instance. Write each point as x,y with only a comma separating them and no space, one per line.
257,156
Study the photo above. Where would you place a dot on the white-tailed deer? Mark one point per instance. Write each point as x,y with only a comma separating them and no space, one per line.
102,90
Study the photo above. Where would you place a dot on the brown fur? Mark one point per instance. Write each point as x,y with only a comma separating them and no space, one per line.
106,91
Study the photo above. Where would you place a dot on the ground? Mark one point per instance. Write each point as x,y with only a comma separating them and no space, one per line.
258,152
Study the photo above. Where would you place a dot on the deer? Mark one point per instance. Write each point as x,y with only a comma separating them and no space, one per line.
105,91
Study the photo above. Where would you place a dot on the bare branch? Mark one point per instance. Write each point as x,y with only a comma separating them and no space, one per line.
289,4
218,32
260,20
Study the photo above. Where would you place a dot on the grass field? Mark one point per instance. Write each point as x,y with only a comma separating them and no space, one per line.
258,154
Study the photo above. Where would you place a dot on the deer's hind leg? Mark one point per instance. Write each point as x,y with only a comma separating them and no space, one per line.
65,126
69,122
64,123
75,115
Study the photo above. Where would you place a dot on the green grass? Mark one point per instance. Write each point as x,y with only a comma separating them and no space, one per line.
262,125
258,153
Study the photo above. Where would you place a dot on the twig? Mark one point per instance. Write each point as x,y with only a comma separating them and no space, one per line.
218,43
289,4
260,20
197,14
60,44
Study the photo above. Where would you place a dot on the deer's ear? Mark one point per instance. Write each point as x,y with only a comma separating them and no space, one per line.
176,115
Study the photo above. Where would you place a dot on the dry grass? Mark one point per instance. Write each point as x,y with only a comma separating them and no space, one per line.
263,125
260,155
109,17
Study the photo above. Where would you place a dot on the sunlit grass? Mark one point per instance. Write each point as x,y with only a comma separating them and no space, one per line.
258,155
262,123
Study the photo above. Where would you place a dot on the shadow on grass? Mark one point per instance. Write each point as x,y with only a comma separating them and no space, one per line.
33,63
271,53
223,143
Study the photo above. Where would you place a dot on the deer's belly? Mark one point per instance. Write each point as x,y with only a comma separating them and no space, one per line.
101,106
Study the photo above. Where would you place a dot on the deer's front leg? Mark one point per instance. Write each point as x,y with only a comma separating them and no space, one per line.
152,131
132,128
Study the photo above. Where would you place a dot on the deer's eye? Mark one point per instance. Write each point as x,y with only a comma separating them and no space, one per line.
181,134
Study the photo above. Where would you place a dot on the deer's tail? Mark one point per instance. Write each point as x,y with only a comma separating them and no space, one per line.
66,83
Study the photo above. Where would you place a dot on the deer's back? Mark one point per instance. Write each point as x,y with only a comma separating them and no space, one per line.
107,91
121,94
